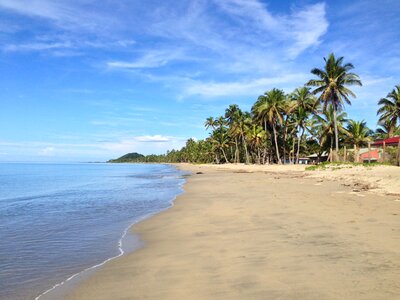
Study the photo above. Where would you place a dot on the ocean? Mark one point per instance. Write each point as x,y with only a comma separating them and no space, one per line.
57,220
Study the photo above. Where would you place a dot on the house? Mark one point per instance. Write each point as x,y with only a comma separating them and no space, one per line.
304,161
393,141
317,158
366,155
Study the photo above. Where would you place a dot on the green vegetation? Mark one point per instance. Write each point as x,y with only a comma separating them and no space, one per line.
332,87
282,128
389,111
130,157
342,165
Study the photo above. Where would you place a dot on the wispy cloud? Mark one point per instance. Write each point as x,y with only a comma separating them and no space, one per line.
153,138
73,45
152,59
301,29
47,151
65,14
254,86
36,46
306,27
155,144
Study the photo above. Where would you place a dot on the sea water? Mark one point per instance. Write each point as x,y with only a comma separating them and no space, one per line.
57,220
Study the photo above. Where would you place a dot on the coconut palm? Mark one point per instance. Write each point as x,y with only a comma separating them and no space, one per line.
232,116
358,134
243,124
300,118
270,108
256,135
304,98
390,109
220,141
386,130
288,108
327,123
210,122
332,86
305,104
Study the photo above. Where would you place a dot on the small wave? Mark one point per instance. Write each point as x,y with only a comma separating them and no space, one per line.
121,252
120,246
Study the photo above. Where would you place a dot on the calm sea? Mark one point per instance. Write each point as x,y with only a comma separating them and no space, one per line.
59,219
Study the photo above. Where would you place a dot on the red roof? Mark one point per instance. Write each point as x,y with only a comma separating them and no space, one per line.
390,141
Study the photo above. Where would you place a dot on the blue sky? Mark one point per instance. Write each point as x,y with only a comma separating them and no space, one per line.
91,80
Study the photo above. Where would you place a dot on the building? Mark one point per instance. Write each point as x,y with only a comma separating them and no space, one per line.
317,158
366,155
304,161
393,141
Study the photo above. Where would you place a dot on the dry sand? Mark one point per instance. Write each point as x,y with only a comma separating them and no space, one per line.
251,232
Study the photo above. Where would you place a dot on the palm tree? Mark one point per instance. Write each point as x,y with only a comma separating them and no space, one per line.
305,104
332,86
304,98
232,116
390,109
270,108
386,130
210,122
358,133
287,125
244,122
326,121
220,141
256,134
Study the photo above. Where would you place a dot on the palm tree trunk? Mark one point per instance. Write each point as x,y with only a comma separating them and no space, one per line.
264,155
298,146
245,149
223,153
276,144
293,145
284,144
236,151
336,135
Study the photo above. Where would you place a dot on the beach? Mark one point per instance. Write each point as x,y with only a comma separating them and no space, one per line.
265,232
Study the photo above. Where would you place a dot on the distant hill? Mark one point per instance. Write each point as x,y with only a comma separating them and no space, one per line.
130,157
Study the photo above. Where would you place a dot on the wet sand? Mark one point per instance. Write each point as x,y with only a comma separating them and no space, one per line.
243,232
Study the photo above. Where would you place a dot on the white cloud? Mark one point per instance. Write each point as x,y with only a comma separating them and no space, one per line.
301,29
69,15
153,138
306,27
156,144
373,80
152,59
255,86
101,150
36,46
65,46
47,151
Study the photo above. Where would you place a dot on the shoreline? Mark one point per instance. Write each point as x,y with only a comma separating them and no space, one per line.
61,289
86,272
116,277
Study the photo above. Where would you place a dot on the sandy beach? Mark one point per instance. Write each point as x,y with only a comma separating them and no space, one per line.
259,232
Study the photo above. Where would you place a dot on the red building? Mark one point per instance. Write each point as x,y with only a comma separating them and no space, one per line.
393,141
373,155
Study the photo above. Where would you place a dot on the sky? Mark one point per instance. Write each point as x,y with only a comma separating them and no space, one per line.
92,80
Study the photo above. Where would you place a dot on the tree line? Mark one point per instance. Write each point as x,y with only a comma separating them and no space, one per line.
282,128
